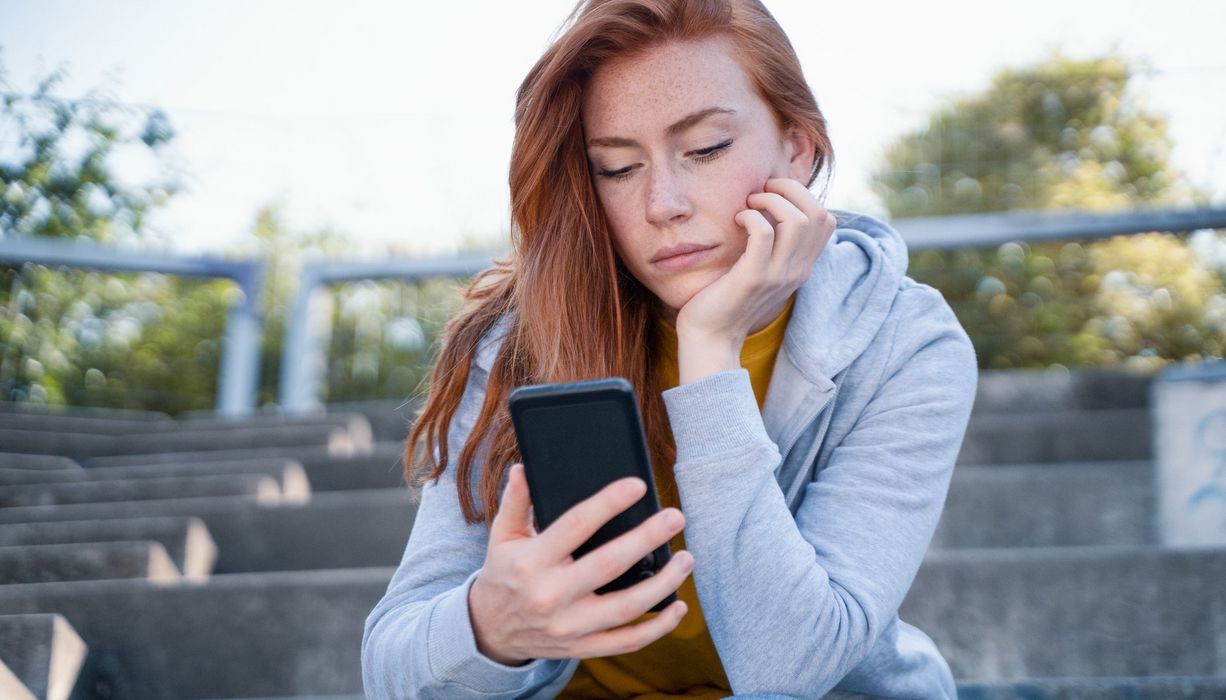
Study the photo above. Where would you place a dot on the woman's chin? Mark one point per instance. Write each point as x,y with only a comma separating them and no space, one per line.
676,293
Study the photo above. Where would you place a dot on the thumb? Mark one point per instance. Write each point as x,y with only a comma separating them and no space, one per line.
514,517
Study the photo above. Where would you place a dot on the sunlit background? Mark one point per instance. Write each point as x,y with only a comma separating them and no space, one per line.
392,122
176,175
297,131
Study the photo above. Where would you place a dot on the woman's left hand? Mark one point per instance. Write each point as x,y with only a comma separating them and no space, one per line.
713,324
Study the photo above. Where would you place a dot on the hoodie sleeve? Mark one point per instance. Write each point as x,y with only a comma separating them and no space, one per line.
793,604
418,641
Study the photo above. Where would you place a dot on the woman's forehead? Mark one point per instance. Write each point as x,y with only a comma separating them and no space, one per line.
652,90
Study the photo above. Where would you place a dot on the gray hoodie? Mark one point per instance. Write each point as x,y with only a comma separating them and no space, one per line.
807,520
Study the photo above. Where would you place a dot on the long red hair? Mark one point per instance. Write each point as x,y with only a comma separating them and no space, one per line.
575,311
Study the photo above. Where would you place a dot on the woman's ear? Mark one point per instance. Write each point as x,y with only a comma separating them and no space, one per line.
801,152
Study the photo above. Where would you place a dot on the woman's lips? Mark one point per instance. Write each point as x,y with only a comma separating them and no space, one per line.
685,260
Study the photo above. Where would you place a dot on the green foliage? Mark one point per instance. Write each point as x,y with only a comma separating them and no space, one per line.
56,177
385,337
116,340
150,341
86,338
1063,134
380,336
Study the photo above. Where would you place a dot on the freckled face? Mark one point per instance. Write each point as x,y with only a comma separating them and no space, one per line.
661,186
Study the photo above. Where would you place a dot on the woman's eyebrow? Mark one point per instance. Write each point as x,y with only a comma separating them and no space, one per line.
673,129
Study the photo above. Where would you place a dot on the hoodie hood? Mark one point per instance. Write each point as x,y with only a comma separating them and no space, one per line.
846,299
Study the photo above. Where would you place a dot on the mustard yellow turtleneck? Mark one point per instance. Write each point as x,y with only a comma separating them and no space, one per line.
683,663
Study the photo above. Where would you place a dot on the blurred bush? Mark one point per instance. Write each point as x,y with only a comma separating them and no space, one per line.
380,335
1062,134
152,341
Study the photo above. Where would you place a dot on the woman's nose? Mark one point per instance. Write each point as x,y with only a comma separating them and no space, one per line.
667,199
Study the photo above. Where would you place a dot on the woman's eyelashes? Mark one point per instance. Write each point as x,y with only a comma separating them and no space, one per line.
701,155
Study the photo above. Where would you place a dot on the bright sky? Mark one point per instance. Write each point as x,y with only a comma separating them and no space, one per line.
393,121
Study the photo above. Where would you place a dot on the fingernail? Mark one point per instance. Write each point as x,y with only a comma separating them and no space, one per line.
674,520
635,487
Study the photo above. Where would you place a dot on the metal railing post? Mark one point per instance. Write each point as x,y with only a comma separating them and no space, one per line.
300,375
238,382
302,358
239,374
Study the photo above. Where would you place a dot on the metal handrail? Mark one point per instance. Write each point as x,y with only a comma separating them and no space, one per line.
983,230
302,359
239,374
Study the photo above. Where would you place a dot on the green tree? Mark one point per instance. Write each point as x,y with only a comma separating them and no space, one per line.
87,338
380,336
152,341
57,178
1062,134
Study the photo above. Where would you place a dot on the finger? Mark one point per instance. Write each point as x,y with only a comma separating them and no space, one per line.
581,521
799,196
624,640
614,558
514,517
784,211
791,234
761,242
602,612
821,223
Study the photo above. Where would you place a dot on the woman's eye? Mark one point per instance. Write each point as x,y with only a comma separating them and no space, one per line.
713,152
616,174
701,155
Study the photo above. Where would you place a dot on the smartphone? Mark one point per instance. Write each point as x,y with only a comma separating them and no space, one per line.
574,439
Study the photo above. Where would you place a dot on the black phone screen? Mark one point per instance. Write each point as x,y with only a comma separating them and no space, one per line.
574,439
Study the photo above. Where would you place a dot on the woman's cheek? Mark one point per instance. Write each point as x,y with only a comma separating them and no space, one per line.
752,182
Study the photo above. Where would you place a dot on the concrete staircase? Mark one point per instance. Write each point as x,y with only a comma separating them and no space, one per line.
145,557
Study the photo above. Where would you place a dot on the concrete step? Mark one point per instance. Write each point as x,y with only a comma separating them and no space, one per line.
335,529
282,634
148,488
14,461
1007,614
1113,688
24,407
185,539
239,437
390,420
10,477
132,509
999,391
44,651
354,422
43,563
11,686
1058,436
289,474
38,442
338,529
88,425
83,446
1049,505
377,466
1040,390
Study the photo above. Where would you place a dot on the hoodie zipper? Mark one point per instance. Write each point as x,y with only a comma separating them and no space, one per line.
804,474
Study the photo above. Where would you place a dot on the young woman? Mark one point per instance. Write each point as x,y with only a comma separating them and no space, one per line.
803,399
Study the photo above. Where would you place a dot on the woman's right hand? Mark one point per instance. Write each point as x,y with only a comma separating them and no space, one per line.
533,600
